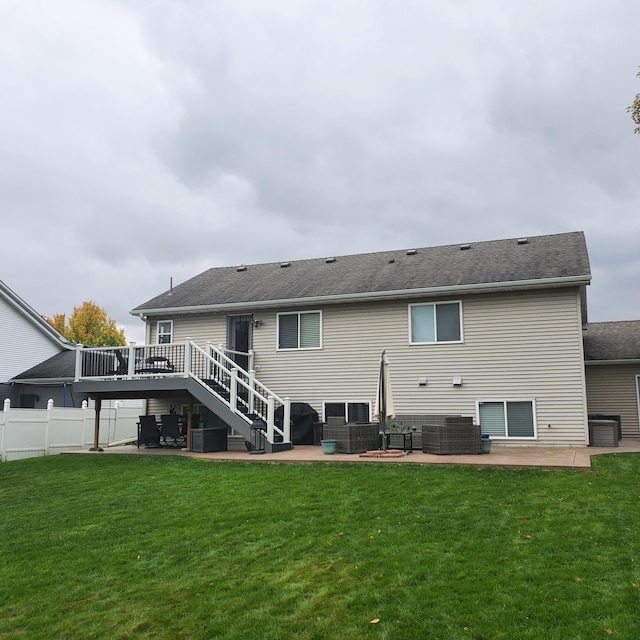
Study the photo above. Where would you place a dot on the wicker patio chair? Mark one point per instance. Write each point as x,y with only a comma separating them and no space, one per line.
451,435
353,437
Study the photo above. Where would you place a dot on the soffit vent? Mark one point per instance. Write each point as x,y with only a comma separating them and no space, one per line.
412,252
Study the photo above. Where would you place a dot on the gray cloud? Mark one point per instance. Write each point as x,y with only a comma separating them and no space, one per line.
153,140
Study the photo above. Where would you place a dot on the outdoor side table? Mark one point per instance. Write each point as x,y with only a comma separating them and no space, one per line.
405,434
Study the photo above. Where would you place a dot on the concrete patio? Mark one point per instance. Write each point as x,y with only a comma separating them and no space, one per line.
544,457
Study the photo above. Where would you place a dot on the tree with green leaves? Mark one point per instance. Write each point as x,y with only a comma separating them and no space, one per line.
634,110
89,325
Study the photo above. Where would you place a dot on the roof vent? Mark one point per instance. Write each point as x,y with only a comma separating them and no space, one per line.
392,260
330,260
523,240
412,252
242,267
465,247
284,265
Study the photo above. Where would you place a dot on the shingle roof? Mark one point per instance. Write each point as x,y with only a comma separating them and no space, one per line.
497,262
62,366
612,340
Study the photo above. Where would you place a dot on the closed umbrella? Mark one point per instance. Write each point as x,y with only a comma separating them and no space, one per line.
384,410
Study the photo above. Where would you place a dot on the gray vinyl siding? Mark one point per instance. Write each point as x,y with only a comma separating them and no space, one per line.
611,389
22,344
516,346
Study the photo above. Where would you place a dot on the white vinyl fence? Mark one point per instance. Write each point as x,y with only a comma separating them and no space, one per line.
30,433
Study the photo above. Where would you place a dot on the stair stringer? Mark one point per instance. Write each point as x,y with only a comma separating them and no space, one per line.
221,408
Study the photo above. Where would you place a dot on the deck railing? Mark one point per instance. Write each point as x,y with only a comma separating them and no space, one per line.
211,367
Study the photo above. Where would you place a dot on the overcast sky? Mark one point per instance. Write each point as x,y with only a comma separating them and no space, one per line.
146,140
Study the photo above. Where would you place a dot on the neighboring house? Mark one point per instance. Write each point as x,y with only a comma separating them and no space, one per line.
612,359
26,340
491,330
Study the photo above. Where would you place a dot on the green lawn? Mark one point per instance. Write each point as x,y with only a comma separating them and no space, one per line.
172,547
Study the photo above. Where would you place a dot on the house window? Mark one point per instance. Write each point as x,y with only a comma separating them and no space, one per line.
299,330
350,411
165,331
437,322
507,419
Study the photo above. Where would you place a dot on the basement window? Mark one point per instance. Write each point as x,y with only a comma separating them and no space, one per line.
507,419
350,411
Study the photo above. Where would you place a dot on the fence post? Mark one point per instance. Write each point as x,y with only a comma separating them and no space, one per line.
78,372
48,427
3,440
271,412
85,405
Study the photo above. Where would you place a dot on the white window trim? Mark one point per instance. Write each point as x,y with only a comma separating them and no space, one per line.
433,304
346,407
504,402
158,331
290,313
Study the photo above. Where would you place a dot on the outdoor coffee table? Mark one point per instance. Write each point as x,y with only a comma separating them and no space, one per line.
405,434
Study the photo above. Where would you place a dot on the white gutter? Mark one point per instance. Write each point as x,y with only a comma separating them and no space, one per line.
373,296
601,362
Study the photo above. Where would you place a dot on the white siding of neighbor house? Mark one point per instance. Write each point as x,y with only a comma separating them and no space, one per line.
22,344
517,346
611,389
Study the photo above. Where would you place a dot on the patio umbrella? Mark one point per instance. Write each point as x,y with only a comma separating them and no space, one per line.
384,410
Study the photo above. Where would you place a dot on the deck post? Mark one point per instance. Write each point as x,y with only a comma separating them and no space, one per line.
252,385
286,426
233,390
96,426
271,411
209,350
189,422
187,357
132,360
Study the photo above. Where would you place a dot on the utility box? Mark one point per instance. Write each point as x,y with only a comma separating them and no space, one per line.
209,439
603,433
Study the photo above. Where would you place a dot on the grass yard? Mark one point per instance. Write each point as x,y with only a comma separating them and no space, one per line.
171,547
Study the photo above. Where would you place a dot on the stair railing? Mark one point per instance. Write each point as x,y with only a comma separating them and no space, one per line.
248,397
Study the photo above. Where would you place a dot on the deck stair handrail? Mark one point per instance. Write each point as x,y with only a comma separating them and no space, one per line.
212,368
